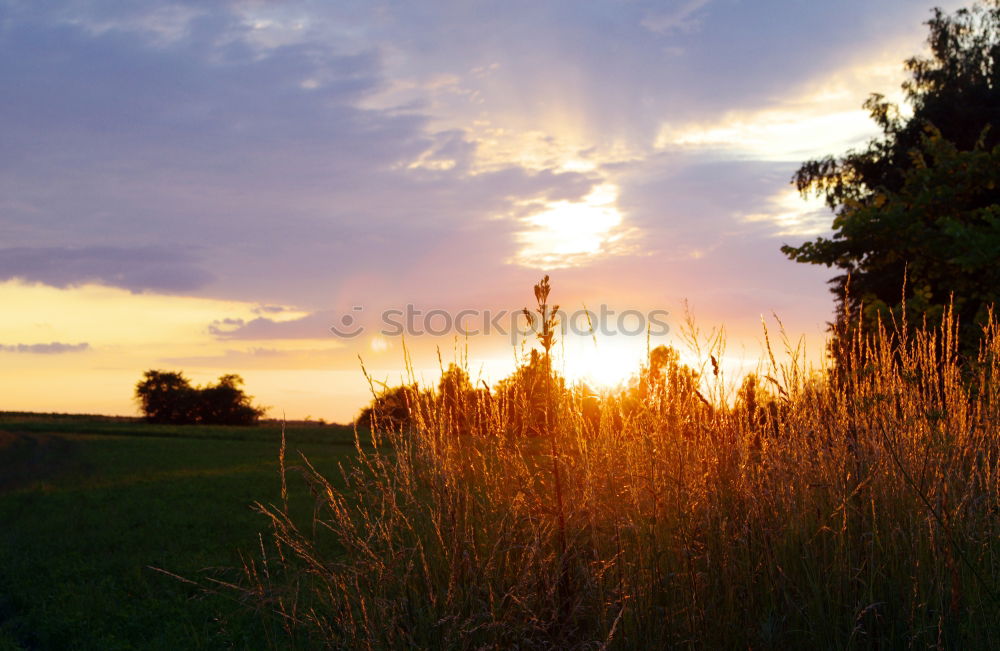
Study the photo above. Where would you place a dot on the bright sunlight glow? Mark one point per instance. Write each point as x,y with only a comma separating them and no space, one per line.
572,233
605,364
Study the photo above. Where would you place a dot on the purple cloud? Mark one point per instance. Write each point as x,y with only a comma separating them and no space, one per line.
312,326
53,348
324,154
148,268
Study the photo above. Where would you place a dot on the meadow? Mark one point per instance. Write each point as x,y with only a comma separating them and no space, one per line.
847,508
89,505
797,508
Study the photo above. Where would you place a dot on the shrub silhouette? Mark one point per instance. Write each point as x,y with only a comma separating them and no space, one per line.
168,397
390,410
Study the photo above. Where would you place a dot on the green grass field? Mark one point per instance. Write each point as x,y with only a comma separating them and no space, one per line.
88,505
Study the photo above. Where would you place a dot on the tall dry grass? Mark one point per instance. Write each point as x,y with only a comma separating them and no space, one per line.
857,509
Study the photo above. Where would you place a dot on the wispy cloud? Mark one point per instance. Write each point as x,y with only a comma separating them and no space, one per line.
52,348
269,358
681,16
310,326
137,269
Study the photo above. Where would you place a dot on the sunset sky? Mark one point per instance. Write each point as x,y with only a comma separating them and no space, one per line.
210,186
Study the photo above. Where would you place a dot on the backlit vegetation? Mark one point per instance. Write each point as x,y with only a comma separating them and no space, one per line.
848,509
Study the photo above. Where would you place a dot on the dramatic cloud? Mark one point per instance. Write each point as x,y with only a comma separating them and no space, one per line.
296,145
272,165
53,348
207,137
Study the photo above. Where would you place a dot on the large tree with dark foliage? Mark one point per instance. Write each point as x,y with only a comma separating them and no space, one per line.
168,397
921,203
225,403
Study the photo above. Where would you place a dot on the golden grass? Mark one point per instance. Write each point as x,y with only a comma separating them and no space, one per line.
856,509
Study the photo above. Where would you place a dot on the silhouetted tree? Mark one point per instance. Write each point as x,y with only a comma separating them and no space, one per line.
922,201
168,397
665,371
392,409
226,404
667,391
